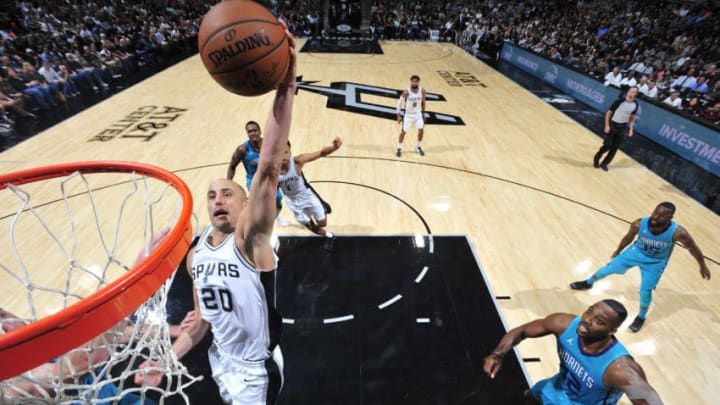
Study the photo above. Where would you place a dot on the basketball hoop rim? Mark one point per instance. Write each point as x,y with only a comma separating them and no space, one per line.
56,334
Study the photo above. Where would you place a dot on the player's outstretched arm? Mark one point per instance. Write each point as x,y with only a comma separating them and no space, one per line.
555,324
300,160
627,376
237,157
256,228
681,235
628,238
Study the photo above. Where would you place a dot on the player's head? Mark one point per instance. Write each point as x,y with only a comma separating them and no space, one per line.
285,162
225,200
663,214
601,319
414,81
632,92
253,131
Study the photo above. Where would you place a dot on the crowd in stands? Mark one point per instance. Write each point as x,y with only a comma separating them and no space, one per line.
302,16
58,57
671,50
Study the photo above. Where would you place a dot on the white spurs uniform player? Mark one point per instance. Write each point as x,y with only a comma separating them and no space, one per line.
307,207
226,267
414,100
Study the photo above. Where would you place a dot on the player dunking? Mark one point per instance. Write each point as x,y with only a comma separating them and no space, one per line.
305,204
414,100
226,267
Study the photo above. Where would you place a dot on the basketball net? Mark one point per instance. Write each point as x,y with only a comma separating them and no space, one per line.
82,250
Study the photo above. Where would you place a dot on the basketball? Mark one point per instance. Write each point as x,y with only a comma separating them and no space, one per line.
243,47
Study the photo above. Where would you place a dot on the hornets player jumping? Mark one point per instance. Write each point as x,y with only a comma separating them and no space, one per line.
595,368
657,235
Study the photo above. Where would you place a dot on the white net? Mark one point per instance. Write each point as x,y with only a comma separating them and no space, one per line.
65,239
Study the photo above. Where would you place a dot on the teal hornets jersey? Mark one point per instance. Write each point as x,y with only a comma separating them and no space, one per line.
581,374
655,246
251,161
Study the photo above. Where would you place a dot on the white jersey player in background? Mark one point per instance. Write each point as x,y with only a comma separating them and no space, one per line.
414,100
226,267
305,204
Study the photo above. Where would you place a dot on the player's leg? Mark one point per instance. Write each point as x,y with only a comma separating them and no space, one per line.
603,149
618,265
420,125
401,138
219,372
650,277
311,224
317,212
614,139
299,215
243,382
274,366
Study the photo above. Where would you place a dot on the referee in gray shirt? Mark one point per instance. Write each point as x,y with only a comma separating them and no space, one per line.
619,119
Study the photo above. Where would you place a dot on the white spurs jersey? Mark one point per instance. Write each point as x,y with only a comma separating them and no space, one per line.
413,102
292,183
231,299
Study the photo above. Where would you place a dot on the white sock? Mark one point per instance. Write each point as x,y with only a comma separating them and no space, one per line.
399,146
417,145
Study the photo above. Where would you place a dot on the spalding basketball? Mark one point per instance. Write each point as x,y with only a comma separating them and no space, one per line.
243,47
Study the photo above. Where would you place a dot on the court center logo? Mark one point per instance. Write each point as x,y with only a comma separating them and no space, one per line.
347,96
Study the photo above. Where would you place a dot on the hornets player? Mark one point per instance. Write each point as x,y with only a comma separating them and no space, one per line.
656,236
248,153
414,100
227,266
595,368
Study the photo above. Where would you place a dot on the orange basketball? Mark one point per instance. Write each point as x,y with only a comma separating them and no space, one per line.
243,47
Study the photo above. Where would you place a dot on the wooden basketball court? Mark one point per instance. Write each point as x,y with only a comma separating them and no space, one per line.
517,178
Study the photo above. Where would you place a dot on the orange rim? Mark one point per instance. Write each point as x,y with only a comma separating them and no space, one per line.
56,334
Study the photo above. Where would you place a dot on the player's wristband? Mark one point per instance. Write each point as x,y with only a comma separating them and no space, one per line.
498,354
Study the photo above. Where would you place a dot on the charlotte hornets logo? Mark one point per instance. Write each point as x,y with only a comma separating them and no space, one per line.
653,247
347,96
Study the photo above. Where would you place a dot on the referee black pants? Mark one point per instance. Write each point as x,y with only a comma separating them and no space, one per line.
611,144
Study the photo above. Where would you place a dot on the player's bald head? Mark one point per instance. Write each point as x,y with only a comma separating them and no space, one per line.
220,184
